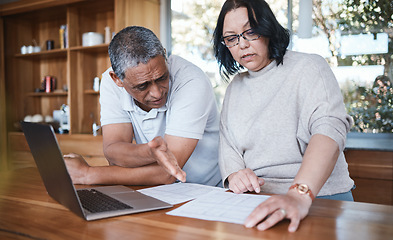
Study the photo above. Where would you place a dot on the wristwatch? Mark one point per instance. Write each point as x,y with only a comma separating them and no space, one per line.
303,189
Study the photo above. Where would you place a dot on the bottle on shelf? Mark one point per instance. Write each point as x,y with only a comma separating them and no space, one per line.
96,84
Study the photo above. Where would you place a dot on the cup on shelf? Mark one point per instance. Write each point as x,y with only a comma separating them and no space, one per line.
50,44
36,49
108,35
30,49
92,38
23,49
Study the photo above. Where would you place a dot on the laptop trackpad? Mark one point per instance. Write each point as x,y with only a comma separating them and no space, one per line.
138,200
130,197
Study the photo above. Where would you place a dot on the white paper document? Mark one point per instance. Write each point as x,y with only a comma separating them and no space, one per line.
179,192
220,206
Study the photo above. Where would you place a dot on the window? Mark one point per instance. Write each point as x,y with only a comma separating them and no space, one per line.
355,37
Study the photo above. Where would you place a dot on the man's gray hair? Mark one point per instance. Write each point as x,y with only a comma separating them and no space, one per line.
131,46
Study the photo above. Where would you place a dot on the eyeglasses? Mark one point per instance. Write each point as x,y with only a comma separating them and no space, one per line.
233,40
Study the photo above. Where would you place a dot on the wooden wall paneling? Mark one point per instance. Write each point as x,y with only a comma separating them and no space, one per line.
18,142
88,107
103,16
90,113
18,71
29,5
96,161
370,164
19,151
372,172
151,15
373,191
89,147
48,25
3,125
78,87
21,160
103,64
106,19
27,71
87,62
75,97
93,19
74,38
56,67
97,62
72,66
77,143
29,83
82,71
144,13
49,104
24,81
25,160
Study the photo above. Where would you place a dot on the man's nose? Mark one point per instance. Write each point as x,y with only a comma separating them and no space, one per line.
155,90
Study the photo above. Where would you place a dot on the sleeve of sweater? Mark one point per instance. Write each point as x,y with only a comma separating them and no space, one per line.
230,159
323,111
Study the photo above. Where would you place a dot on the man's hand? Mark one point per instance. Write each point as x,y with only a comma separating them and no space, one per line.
77,168
165,158
245,180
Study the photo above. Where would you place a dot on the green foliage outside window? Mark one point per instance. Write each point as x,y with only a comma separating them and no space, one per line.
371,108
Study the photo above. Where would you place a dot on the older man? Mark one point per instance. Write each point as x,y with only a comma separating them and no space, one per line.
159,118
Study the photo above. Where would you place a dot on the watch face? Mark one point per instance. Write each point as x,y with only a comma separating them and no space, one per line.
302,188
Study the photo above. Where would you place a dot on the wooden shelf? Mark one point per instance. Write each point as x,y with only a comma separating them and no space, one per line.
74,67
92,49
45,94
44,54
92,92
63,52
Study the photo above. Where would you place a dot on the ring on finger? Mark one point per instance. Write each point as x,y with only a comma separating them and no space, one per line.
283,212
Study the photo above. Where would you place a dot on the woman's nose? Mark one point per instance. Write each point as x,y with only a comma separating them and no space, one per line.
243,43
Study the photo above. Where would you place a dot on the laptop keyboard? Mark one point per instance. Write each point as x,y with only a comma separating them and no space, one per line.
95,201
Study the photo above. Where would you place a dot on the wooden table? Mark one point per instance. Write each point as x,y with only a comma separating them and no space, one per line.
27,212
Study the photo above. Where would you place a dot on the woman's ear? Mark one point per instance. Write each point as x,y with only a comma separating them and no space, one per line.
116,79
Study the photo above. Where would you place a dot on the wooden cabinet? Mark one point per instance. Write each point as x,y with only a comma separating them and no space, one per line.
90,148
29,22
372,172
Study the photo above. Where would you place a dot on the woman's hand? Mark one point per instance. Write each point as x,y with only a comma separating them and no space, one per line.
77,167
245,180
292,206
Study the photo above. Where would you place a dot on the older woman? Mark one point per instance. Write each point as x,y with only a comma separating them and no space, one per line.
283,122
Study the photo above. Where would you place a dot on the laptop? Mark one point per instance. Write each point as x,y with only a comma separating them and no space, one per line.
83,202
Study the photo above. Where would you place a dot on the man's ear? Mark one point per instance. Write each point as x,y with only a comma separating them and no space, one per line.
116,79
